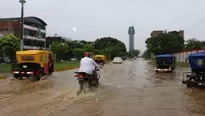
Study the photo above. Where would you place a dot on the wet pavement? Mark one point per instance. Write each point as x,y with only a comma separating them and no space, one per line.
128,89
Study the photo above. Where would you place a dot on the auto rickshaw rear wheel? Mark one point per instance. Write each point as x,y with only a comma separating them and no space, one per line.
188,85
38,76
18,77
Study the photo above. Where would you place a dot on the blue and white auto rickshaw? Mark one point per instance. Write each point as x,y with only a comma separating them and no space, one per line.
197,75
165,63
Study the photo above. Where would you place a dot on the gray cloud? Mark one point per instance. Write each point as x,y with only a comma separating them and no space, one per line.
98,18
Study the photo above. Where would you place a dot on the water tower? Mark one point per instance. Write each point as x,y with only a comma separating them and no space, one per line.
131,32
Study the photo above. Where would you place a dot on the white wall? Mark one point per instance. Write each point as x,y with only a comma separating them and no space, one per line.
180,57
177,57
201,51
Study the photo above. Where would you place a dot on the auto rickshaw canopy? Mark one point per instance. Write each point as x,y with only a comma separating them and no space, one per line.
32,52
197,61
165,58
33,56
100,57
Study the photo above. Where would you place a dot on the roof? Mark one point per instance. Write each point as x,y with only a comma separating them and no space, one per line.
197,54
31,52
30,19
99,55
117,57
190,50
164,56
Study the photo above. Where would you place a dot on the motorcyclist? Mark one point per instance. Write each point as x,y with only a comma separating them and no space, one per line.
88,65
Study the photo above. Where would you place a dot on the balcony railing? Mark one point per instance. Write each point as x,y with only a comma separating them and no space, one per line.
33,28
34,38
34,47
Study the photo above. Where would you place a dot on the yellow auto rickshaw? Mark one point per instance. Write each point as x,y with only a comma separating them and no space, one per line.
33,63
100,59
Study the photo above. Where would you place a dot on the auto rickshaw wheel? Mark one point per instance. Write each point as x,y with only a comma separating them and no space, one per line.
188,85
38,77
50,73
18,77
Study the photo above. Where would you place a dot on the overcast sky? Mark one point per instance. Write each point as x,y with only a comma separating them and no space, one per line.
98,18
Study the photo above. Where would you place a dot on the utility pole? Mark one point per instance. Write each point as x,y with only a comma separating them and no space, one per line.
22,23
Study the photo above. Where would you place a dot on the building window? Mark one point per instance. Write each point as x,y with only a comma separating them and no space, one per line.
37,43
43,35
26,32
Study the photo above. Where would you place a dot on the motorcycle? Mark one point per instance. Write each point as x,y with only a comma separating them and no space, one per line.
86,81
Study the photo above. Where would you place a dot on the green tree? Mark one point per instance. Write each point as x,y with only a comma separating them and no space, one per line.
98,51
83,42
72,45
75,44
78,52
146,54
193,44
108,46
111,47
107,42
89,48
9,44
107,53
165,43
134,53
59,49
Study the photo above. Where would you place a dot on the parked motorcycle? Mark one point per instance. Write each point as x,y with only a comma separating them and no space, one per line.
86,81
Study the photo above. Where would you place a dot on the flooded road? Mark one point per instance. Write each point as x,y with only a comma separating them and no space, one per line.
127,89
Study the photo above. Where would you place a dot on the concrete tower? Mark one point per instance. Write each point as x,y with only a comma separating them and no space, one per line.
131,32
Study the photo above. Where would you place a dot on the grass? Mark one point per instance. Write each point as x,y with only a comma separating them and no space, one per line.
5,68
180,64
66,65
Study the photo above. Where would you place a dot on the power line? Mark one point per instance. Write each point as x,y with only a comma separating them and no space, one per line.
196,24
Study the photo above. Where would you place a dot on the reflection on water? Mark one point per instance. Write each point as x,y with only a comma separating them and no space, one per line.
166,76
131,88
197,102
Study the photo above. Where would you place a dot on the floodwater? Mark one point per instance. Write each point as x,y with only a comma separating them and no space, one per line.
128,89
